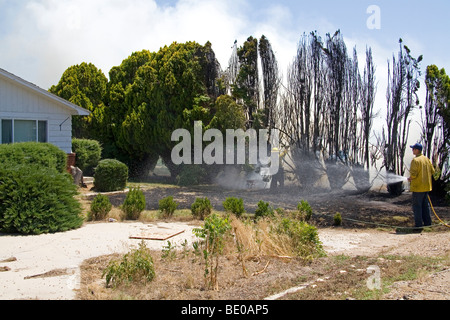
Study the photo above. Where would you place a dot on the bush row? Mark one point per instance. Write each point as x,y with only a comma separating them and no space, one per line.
135,203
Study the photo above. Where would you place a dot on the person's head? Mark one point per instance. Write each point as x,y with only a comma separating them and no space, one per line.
417,149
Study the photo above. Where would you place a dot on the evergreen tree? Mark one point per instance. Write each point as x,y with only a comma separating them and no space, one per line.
85,86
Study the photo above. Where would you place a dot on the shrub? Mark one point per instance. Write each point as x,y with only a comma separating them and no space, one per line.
304,210
234,205
167,206
201,208
36,200
137,265
110,175
27,153
337,219
100,207
304,237
264,210
88,153
134,204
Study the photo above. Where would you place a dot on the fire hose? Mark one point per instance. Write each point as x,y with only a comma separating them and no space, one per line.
431,205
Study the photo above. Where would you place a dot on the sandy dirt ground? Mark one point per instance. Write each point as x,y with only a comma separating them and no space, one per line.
47,266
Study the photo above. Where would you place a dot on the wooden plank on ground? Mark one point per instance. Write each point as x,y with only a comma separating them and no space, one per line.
155,236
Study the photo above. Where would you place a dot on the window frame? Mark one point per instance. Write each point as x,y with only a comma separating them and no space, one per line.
37,121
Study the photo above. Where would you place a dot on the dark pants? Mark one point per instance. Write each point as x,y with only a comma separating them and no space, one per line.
421,208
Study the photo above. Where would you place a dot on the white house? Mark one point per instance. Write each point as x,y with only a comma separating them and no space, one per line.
29,113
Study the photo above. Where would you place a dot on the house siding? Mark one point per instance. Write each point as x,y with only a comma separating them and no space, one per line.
17,102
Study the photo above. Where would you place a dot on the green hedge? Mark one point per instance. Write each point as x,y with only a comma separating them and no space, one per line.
27,153
36,199
88,154
110,175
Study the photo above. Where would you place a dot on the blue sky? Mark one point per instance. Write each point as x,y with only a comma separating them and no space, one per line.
42,38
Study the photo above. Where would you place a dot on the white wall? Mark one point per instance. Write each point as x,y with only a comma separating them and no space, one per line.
17,102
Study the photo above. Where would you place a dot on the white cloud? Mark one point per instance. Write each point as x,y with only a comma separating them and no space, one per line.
49,35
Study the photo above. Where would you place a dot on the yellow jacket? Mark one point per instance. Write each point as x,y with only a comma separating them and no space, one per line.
421,173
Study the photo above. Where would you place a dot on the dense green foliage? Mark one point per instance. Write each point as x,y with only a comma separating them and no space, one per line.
304,210
229,115
337,219
201,208
148,96
304,237
28,153
134,204
88,153
36,199
234,205
110,175
85,86
100,207
167,206
263,210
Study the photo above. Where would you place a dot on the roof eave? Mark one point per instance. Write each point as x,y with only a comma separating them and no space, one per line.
79,110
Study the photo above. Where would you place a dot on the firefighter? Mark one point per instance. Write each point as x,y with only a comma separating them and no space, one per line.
421,172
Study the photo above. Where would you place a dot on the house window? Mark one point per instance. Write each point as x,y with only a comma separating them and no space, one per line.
23,130
7,131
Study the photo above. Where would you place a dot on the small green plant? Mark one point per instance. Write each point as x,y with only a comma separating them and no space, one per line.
264,210
167,206
234,205
137,265
184,248
100,207
201,208
337,219
304,210
169,252
213,233
134,203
